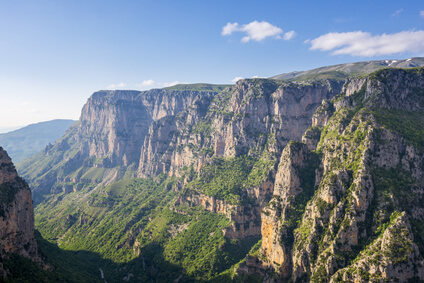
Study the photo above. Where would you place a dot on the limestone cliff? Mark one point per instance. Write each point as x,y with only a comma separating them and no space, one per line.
16,214
255,118
239,120
363,218
105,144
123,134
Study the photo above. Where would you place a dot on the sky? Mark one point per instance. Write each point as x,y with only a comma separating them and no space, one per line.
55,54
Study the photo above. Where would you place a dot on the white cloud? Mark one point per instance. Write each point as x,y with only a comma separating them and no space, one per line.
422,14
289,35
397,13
148,83
230,28
116,86
255,30
360,43
236,79
171,84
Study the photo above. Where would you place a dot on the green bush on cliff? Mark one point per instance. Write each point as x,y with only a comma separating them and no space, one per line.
225,178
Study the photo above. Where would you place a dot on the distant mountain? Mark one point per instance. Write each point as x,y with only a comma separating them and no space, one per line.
4,130
31,139
343,71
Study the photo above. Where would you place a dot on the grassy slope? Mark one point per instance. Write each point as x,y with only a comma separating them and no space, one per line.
111,221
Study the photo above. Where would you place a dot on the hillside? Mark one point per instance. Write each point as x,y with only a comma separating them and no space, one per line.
348,200
30,140
182,183
344,71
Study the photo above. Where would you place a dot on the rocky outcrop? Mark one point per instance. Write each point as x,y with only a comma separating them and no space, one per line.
16,214
392,257
293,186
363,218
110,134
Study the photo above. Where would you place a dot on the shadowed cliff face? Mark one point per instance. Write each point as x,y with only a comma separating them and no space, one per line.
348,202
16,214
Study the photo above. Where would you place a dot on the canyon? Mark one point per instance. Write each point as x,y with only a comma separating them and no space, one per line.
316,179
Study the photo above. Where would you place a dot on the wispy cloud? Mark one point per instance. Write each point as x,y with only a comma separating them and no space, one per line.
422,14
171,84
148,83
289,35
359,43
236,79
256,31
397,13
116,86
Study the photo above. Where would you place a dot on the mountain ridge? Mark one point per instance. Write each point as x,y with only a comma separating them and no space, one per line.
31,139
226,168
344,71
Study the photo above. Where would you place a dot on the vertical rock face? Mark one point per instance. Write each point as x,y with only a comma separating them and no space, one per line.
237,121
16,213
107,141
112,126
293,185
362,219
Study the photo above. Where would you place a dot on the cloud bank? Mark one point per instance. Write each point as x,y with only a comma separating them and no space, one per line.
359,43
236,79
148,84
397,13
256,31
116,86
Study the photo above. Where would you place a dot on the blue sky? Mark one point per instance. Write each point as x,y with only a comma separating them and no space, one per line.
55,54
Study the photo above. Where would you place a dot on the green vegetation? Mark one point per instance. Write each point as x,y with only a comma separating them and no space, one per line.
203,127
344,70
197,87
130,227
409,125
64,266
225,178
330,75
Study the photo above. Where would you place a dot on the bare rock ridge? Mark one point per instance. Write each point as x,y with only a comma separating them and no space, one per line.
16,214
348,202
